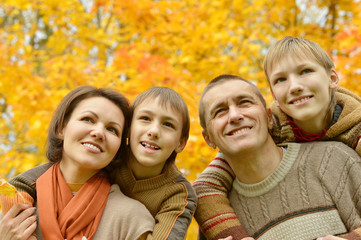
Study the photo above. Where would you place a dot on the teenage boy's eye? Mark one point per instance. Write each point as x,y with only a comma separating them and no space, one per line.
306,71
279,80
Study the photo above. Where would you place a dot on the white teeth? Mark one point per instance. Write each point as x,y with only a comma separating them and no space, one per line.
92,146
150,146
301,100
240,130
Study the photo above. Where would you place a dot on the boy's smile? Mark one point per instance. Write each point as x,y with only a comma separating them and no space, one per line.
302,89
155,133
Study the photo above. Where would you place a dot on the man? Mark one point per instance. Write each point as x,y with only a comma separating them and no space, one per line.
289,191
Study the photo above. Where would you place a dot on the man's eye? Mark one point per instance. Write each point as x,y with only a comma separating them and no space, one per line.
219,111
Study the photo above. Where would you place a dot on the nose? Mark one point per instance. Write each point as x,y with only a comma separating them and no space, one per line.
153,131
295,85
235,115
98,132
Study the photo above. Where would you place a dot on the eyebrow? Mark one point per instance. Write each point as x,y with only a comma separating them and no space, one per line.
166,117
96,115
236,98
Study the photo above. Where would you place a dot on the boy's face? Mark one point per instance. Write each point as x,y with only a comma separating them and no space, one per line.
301,88
237,122
155,133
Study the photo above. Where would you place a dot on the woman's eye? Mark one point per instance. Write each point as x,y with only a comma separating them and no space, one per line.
87,119
113,130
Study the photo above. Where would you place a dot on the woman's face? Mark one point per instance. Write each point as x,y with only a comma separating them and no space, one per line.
91,137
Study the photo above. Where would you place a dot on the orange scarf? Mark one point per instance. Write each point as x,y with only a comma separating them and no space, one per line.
64,216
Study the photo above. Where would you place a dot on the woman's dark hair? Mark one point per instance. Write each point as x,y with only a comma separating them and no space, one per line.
63,113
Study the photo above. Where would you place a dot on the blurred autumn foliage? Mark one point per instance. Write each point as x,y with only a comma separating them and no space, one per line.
49,47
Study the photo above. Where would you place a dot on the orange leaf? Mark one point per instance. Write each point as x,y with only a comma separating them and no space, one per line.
6,188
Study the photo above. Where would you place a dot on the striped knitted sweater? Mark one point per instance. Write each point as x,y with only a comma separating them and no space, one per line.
169,197
216,180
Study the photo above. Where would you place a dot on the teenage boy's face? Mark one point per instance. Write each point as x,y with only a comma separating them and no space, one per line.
236,120
155,133
301,88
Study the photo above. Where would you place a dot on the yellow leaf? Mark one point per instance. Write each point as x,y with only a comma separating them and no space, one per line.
6,188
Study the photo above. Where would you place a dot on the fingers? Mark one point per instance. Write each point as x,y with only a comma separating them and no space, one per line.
24,218
15,210
30,229
18,223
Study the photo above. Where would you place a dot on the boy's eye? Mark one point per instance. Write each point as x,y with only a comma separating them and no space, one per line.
168,124
144,118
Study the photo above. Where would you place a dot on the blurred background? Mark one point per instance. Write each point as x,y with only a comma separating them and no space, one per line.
48,47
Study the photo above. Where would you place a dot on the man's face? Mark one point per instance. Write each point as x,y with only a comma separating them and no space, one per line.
236,120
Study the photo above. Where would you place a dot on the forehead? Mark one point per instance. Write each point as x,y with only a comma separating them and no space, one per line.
99,105
158,107
297,56
229,90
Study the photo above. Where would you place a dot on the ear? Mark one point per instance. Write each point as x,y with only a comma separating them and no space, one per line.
60,133
182,144
208,140
275,100
270,119
334,79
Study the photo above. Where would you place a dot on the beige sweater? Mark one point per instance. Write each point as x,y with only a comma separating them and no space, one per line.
315,191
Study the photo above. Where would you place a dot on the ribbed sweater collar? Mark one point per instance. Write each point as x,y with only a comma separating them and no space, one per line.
260,188
148,184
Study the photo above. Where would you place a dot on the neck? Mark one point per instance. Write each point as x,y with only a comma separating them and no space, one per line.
73,174
142,171
316,125
256,165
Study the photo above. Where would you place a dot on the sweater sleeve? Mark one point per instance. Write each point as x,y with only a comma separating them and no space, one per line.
176,212
25,184
345,187
214,214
